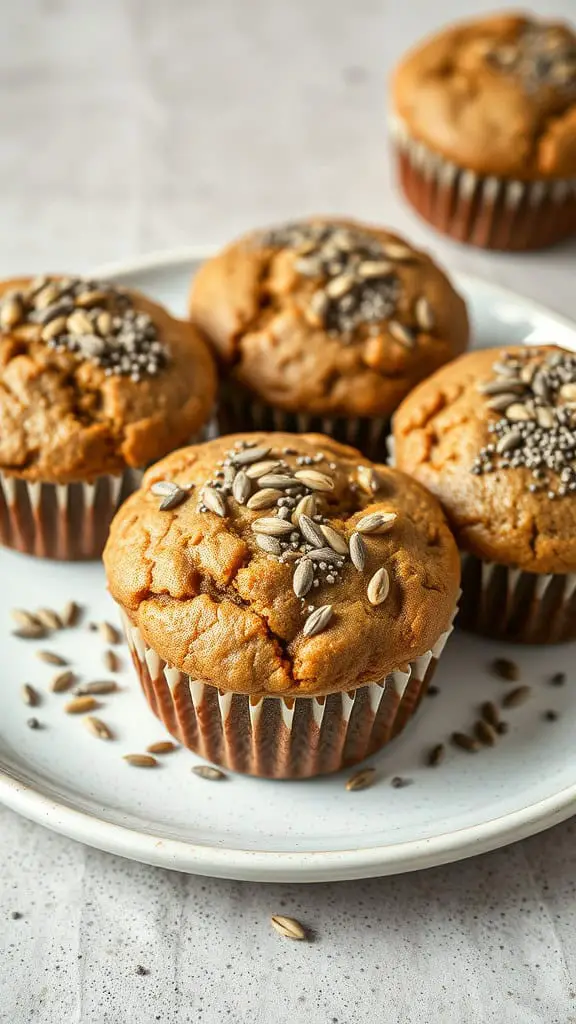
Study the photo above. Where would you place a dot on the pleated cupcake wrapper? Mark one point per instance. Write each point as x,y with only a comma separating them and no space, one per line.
280,737
487,211
63,521
239,411
508,604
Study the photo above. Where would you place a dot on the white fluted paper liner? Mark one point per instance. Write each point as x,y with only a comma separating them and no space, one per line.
485,210
510,604
63,521
280,737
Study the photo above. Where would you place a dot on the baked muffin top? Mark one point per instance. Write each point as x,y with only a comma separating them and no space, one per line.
493,436
328,316
495,95
283,564
93,379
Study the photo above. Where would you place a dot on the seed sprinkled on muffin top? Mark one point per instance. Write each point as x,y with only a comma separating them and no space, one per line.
94,320
358,280
536,395
542,56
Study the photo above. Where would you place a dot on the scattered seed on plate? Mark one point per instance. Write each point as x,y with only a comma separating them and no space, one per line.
514,698
51,658
111,660
558,679
49,618
206,771
98,728
465,742
62,681
30,696
163,747
141,760
23,618
70,613
502,728
400,781
485,732
288,927
490,713
109,633
436,755
362,779
96,689
80,705
33,723
551,716
505,669
32,632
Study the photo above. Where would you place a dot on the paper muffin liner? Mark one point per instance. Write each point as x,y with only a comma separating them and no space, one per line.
280,737
239,410
488,211
64,521
522,607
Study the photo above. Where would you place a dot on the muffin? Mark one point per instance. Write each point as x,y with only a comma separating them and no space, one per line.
96,382
484,130
325,325
493,436
285,601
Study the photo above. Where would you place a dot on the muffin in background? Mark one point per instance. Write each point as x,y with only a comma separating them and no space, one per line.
325,325
285,600
96,382
484,131
493,437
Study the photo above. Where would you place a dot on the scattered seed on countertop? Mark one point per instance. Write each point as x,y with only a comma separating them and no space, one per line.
96,689
436,755
206,771
49,618
109,633
362,779
80,705
502,728
111,660
505,669
163,747
490,713
98,728
24,618
558,679
51,658
33,723
30,632
30,696
551,716
70,613
400,781
514,698
485,732
62,681
141,760
142,971
432,691
288,927
465,742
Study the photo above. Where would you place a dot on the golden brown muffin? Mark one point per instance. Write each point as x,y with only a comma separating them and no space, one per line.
485,119
279,565
325,323
94,381
493,436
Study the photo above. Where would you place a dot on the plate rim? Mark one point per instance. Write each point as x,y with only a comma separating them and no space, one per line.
283,866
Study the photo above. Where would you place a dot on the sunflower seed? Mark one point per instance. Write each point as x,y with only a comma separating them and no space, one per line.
80,705
50,658
24,618
396,251
104,323
490,713
288,927
30,696
321,554
62,681
269,544
265,498
163,488
361,780
109,633
336,541
424,314
173,500
401,333
465,742
307,506
501,402
485,733
229,475
206,771
310,531
368,479
33,723
249,455
111,661
92,297
241,488
96,689
50,619
436,755
314,480
262,468
506,669
545,418
318,620
568,392
31,632
518,413
213,501
376,522
379,587
370,269
141,760
11,313
163,747
70,613
79,323
509,442
339,286
303,577
98,728
514,698
277,480
272,527
46,296
502,728
53,328
501,387
357,552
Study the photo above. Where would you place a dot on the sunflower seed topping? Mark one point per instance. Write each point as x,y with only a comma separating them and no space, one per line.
241,488
272,527
260,469
357,552
265,498
379,587
310,531
268,544
303,577
376,522
213,501
177,497
542,56
318,620
335,539
247,456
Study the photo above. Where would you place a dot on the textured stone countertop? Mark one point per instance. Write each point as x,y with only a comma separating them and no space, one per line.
128,126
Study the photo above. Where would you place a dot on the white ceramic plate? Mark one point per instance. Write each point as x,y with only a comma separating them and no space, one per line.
66,779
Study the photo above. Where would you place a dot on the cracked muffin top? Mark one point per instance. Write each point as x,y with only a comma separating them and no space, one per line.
282,564
329,317
94,379
496,95
493,436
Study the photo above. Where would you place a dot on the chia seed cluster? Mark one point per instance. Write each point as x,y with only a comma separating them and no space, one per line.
95,321
536,394
543,55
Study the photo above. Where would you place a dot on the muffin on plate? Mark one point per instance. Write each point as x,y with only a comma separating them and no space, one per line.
493,436
285,600
325,325
484,128
96,382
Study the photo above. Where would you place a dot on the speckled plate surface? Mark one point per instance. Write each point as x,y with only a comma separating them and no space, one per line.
66,779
